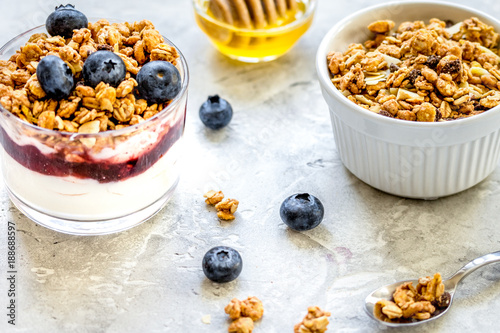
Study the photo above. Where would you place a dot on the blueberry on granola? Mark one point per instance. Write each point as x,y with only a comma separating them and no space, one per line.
216,112
64,20
222,264
302,211
55,77
104,66
158,81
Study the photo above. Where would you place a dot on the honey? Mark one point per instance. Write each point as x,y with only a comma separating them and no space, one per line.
255,45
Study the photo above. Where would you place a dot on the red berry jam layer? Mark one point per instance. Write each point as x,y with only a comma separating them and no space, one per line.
104,171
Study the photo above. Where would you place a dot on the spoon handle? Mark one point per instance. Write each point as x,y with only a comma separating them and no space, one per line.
473,265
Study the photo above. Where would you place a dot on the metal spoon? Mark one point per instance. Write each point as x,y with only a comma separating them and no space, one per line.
450,286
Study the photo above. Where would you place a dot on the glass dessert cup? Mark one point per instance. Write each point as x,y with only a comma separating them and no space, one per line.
91,184
254,45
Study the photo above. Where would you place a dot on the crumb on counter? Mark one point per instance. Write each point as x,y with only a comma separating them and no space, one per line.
206,319
316,321
225,208
213,197
241,325
244,313
251,307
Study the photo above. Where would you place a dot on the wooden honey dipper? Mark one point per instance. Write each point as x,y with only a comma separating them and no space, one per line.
252,14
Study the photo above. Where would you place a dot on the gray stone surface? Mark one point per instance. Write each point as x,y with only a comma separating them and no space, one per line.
149,279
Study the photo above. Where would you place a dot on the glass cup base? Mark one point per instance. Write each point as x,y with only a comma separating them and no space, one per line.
92,228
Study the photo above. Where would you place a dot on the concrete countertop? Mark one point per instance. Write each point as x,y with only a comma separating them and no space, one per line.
280,142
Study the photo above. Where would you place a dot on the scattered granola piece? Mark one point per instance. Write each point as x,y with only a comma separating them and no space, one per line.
315,321
241,325
227,208
213,197
244,313
233,309
252,308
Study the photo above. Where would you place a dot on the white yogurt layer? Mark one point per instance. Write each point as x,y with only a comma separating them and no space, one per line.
87,199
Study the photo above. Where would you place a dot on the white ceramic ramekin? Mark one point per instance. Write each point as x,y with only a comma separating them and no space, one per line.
408,159
92,184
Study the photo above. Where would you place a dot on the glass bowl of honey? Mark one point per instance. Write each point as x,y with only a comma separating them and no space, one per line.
254,30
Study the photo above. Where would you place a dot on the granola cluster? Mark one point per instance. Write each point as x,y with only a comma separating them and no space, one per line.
316,321
225,208
87,109
244,313
410,303
432,72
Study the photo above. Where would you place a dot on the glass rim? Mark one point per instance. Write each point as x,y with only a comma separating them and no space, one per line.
290,26
164,113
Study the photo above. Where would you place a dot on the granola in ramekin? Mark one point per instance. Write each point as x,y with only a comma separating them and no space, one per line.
422,72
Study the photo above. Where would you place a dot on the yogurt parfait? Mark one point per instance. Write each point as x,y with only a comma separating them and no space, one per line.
91,121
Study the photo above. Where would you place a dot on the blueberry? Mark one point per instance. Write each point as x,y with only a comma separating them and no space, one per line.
104,66
302,211
222,264
64,20
158,81
216,112
55,77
